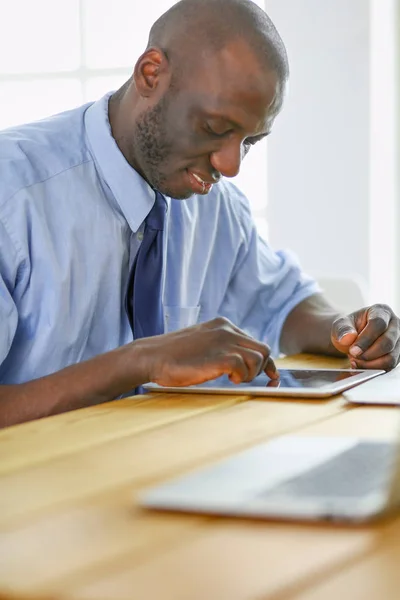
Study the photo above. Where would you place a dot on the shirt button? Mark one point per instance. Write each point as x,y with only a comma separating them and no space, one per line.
140,236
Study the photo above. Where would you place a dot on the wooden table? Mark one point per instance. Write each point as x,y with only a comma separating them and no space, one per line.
70,528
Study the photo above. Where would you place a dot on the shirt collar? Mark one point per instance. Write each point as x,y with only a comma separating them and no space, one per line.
134,195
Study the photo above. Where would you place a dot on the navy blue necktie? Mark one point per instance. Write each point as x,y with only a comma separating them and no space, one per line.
145,307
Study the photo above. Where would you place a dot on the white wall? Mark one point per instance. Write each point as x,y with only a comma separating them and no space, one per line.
318,154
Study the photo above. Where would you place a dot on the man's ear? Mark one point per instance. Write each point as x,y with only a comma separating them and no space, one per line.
150,71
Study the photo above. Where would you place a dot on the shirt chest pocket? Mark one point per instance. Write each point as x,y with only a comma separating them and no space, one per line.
179,317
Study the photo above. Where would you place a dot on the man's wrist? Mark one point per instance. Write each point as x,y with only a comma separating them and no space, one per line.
133,363
308,327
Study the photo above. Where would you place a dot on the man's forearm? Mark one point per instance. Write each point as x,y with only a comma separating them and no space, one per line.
91,382
308,328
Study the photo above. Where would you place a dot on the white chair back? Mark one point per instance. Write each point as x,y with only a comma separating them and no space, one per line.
346,293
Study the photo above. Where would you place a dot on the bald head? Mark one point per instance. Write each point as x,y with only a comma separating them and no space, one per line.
207,88
194,28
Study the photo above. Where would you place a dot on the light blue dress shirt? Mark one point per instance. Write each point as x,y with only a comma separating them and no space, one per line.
71,219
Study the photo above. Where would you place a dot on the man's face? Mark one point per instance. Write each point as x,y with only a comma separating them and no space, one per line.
203,129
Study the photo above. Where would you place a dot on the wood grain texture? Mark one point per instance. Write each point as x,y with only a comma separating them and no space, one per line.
371,422
70,527
31,443
311,361
142,459
283,565
54,551
233,561
374,578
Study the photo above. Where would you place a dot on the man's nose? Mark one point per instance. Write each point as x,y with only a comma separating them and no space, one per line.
227,159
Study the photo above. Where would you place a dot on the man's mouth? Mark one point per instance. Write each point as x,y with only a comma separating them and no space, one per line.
198,184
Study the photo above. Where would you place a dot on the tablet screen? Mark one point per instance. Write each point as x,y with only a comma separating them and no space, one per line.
289,378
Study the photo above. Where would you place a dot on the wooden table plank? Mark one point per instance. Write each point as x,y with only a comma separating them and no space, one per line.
366,424
371,422
91,545
232,561
311,361
85,541
374,578
31,443
76,504
146,457
69,545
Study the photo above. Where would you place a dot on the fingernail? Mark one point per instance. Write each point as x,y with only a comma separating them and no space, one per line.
355,351
353,365
342,334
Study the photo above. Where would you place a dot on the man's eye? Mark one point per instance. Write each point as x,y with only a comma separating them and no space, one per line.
214,133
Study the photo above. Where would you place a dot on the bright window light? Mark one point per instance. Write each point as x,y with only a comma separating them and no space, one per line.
39,35
24,101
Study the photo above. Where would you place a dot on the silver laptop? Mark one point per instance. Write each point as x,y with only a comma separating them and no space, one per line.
384,391
292,477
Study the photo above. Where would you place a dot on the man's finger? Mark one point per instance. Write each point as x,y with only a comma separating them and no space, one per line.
385,344
344,333
236,368
273,383
254,361
386,362
270,369
378,319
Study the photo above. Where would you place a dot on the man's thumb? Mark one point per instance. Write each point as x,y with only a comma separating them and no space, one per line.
344,334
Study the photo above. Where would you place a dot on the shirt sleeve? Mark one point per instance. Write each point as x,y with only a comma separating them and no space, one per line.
9,269
265,286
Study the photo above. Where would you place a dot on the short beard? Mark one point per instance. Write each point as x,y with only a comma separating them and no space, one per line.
151,144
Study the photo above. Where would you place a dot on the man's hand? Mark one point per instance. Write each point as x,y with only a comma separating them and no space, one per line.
203,352
185,357
370,337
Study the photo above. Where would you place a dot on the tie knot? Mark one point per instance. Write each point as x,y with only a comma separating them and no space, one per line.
156,217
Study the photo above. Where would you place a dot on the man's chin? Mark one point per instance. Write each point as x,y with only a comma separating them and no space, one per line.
175,187
175,193
181,196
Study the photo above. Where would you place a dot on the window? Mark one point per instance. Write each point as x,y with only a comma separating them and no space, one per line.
58,55
384,224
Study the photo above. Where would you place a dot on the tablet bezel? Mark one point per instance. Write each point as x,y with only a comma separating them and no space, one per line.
326,391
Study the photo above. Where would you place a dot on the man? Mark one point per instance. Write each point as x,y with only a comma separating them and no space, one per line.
110,208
